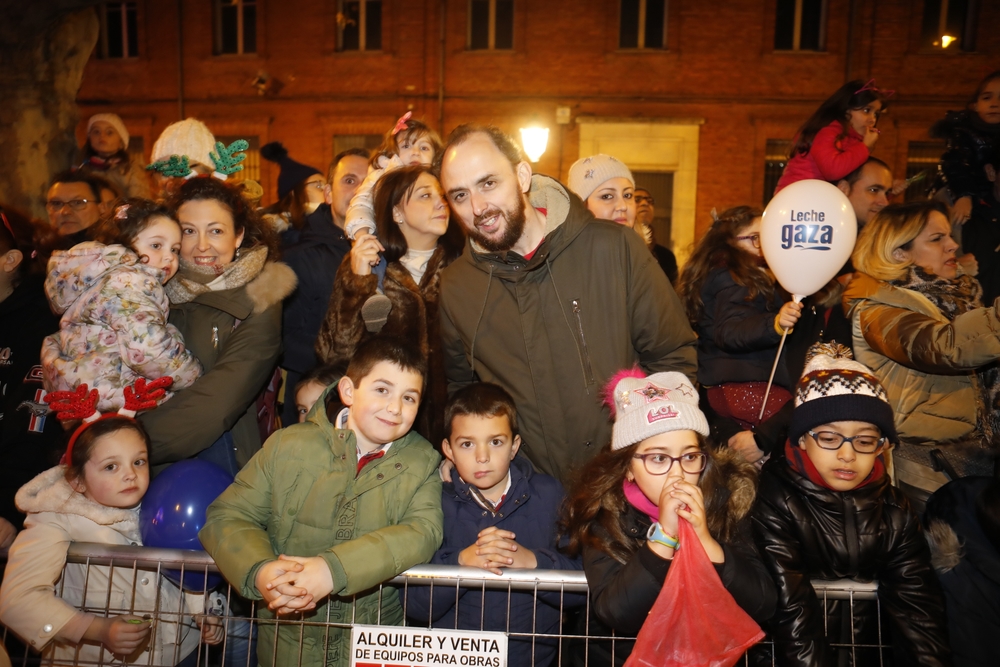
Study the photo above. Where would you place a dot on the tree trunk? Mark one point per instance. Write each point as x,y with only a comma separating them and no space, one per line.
43,54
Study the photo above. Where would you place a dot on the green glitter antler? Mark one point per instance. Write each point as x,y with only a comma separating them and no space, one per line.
227,159
176,166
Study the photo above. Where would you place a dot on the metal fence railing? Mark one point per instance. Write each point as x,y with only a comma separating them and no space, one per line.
543,617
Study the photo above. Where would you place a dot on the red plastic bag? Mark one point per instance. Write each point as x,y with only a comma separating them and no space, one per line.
694,621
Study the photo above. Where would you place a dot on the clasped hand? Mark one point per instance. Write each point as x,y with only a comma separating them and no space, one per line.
495,548
293,584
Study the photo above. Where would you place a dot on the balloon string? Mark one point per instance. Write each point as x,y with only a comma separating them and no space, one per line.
797,298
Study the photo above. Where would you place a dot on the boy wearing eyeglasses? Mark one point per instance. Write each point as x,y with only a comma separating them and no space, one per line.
827,510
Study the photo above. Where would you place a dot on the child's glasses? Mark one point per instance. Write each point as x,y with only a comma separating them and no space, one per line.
862,444
660,464
754,239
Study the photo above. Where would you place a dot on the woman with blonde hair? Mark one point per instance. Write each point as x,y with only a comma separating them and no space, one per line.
922,328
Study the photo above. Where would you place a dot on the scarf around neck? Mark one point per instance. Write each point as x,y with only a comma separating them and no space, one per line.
637,499
800,462
192,280
952,296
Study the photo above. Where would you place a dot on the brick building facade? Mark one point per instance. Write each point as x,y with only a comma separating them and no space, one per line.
698,96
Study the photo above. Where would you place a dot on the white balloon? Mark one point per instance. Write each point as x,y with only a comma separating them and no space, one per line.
807,234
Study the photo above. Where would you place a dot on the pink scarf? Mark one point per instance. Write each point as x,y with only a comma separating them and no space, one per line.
637,499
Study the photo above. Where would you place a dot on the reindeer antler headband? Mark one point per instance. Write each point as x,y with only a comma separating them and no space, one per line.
81,403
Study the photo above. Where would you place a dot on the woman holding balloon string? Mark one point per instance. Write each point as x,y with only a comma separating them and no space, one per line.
740,315
921,327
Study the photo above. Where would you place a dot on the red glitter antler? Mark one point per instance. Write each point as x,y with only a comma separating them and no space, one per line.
78,404
143,395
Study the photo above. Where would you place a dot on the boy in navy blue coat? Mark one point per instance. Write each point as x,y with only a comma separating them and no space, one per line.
498,513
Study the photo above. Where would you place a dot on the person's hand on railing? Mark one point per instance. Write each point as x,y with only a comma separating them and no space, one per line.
495,548
278,597
212,629
310,582
122,635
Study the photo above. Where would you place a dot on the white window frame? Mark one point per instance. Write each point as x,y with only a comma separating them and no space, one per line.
491,30
103,14
240,45
797,26
362,25
641,37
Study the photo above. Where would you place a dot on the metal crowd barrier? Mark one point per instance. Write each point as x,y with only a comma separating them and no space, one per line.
572,641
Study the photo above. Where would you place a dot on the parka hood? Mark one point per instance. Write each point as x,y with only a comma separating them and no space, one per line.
72,272
50,492
565,218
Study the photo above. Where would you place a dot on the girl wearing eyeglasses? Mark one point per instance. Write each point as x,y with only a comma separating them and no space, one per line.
739,314
826,509
625,510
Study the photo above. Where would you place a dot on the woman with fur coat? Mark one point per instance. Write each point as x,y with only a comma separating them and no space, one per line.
418,242
226,302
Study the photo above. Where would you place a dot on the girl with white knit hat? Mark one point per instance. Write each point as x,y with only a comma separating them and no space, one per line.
105,154
625,512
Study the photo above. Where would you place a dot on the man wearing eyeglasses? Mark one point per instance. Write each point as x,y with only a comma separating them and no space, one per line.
644,214
74,204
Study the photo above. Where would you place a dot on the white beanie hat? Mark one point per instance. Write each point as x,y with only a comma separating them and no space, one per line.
588,173
114,121
647,406
188,137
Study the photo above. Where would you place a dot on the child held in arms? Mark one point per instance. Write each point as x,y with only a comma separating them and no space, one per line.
827,510
328,511
499,513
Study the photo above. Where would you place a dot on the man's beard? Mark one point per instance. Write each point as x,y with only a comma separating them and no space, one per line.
514,220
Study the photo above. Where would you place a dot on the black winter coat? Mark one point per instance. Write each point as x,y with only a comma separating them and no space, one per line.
737,340
531,512
622,594
314,259
805,531
971,142
968,567
31,438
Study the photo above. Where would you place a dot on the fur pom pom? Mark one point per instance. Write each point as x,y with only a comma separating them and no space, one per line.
274,151
609,389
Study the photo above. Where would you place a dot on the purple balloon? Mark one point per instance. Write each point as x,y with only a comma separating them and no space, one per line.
173,511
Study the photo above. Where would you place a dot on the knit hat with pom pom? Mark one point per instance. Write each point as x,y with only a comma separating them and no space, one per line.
292,173
835,388
643,406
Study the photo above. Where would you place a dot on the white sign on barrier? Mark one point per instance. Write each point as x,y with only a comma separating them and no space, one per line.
391,646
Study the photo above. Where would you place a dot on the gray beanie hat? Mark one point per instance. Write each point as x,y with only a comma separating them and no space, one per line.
647,406
588,173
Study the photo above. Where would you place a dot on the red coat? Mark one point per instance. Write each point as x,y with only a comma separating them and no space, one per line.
828,159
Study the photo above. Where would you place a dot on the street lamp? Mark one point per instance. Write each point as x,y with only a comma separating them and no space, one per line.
534,140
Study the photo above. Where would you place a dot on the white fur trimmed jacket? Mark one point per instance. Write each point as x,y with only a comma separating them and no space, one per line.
41,593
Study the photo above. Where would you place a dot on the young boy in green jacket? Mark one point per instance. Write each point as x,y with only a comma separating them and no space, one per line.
324,513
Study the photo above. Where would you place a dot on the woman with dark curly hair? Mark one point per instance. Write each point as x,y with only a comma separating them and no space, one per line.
226,301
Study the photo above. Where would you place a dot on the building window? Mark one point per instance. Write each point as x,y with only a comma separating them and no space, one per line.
642,24
491,24
800,25
251,165
359,25
119,30
922,159
235,27
342,142
775,158
949,25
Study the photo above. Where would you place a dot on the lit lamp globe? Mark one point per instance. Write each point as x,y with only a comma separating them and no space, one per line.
534,140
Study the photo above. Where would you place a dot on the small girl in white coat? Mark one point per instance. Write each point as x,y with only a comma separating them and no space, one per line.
76,616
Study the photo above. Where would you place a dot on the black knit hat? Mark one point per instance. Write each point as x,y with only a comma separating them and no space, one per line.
292,172
836,388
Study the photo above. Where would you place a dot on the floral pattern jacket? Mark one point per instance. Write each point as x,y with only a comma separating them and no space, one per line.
114,326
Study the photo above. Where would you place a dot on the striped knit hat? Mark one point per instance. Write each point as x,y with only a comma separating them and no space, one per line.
836,388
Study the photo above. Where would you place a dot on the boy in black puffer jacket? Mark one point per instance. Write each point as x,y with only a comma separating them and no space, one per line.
826,510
